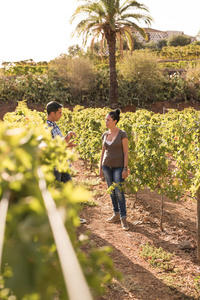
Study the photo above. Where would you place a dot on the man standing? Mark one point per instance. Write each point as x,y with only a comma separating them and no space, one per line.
54,113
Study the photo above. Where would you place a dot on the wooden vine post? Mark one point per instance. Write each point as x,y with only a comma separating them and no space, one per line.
161,212
198,224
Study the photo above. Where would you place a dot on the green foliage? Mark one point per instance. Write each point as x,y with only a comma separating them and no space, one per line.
81,76
33,270
155,141
137,44
178,65
163,155
178,88
137,64
24,70
161,43
78,72
157,257
196,43
197,283
178,40
189,52
89,125
84,80
151,45
96,274
193,74
142,77
74,50
35,88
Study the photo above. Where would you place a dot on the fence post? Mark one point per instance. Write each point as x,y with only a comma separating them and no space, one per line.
3,213
75,281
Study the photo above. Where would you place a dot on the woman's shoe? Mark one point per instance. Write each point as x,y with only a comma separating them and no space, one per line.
114,218
82,221
124,224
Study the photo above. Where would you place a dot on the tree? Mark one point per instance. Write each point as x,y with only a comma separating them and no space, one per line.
74,50
161,43
137,44
109,19
178,40
150,45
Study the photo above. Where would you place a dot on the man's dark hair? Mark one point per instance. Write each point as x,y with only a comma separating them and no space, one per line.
53,106
115,115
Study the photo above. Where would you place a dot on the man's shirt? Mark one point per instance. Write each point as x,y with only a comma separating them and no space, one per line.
55,129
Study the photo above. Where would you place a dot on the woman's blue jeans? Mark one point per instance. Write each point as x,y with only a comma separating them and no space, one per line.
114,175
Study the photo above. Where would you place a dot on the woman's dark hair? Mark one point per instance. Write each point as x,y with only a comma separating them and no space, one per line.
53,106
115,115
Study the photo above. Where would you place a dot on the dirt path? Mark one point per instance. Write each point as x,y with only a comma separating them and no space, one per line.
141,280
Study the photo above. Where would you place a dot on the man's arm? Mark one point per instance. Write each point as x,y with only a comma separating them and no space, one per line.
68,137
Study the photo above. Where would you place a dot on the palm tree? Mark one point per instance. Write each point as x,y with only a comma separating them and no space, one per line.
110,20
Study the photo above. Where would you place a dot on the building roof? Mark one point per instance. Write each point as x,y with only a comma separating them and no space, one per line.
149,30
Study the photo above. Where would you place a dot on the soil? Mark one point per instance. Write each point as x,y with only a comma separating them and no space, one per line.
141,280
158,107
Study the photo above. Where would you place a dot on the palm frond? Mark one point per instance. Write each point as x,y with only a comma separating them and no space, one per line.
129,37
91,9
139,17
131,4
140,30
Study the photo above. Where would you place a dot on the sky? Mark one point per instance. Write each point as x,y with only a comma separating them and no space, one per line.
40,29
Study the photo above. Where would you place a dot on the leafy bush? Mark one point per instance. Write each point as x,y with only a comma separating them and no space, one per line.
35,88
151,45
78,72
162,43
193,74
142,77
196,43
193,80
178,40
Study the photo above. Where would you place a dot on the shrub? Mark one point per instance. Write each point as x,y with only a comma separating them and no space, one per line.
162,43
78,72
193,80
193,74
35,88
178,40
141,73
196,43
151,45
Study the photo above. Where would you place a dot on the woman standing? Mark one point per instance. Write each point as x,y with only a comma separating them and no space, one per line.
114,165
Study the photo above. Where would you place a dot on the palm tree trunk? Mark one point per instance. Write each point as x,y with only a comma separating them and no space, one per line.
113,92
